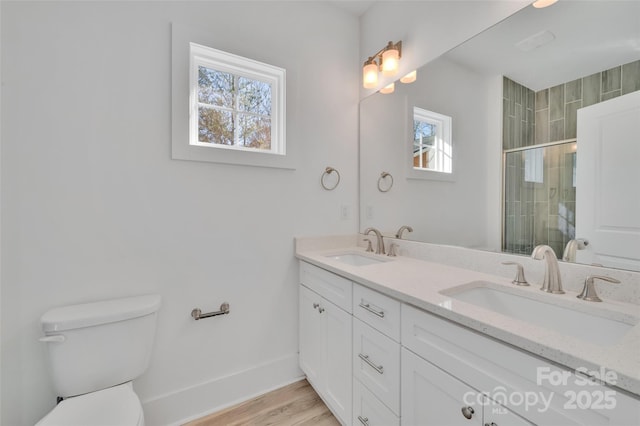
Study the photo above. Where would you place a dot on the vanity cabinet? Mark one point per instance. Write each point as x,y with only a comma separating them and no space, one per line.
326,337
409,367
519,388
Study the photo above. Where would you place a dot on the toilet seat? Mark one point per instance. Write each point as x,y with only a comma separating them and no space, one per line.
118,405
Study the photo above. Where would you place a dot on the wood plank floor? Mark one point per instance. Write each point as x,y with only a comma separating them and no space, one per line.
294,405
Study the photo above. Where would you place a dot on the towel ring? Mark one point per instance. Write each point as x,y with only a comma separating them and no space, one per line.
381,180
327,172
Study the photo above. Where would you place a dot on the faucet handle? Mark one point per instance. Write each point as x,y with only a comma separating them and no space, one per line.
369,247
589,291
393,250
519,279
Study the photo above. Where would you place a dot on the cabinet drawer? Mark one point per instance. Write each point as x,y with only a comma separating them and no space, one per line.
379,311
376,363
368,410
328,285
495,368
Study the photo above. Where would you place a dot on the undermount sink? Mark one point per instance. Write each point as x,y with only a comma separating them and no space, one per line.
355,259
582,325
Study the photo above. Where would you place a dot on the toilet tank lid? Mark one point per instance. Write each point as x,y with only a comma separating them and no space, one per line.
95,313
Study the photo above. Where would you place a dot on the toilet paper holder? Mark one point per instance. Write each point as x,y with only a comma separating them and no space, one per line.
197,313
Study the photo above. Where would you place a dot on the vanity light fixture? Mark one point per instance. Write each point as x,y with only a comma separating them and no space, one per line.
386,60
409,78
539,4
388,89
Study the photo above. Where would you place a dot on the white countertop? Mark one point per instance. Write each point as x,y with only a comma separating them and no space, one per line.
419,283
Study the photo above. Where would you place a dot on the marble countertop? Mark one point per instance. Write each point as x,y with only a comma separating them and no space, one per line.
420,283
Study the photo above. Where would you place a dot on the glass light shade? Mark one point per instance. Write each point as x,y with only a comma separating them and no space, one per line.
409,78
390,62
539,4
370,76
388,89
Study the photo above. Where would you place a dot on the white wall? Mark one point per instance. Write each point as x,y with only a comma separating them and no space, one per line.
445,212
93,207
427,28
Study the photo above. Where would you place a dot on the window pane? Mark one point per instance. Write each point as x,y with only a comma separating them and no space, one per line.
424,133
215,87
215,126
254,132
254,96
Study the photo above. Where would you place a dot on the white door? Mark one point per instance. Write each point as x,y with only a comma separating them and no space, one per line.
608,182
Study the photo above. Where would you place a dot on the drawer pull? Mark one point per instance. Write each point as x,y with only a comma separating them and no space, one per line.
364,420
366,359
467,412
370,309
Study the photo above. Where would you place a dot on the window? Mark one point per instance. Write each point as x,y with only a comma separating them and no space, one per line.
431,141
235,103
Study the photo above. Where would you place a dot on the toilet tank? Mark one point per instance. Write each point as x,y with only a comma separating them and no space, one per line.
93,346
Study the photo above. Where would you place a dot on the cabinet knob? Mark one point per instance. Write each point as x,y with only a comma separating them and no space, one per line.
467,412
320,309
316,305
491,424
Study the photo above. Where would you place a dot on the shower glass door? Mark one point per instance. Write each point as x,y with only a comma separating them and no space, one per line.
539,197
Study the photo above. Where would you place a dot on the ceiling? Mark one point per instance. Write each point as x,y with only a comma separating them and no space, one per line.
598,34
355,7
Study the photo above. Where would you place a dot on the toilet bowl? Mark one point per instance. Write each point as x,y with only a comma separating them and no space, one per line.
95,350
118,405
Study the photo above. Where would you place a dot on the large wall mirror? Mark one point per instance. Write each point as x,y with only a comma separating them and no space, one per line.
516,179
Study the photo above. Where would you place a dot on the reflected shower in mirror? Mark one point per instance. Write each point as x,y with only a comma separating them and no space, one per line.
514,192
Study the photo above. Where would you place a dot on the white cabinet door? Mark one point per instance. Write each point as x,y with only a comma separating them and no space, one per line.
432,397
325,351
337,350
310,344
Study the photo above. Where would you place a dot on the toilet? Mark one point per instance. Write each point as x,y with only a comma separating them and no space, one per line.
95,350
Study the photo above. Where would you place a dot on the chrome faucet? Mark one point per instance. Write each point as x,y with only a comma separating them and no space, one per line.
572,246
379,241
401,230
589,289
552,282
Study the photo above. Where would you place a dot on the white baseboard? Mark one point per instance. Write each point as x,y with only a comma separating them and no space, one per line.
205,398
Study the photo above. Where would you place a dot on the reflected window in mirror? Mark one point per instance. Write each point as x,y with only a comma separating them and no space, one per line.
432,148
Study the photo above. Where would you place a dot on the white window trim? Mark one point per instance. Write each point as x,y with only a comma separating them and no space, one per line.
249,68
181,148
444,123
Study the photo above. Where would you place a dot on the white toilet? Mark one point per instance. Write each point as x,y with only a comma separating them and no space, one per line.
95,350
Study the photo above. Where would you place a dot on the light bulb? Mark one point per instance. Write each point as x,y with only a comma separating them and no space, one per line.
370,75
390,62
388,89
539,4
409,78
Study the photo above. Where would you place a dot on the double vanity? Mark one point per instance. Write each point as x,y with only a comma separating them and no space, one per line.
399,340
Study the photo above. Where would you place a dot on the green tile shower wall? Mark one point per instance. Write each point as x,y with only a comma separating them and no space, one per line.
550,115
544,213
